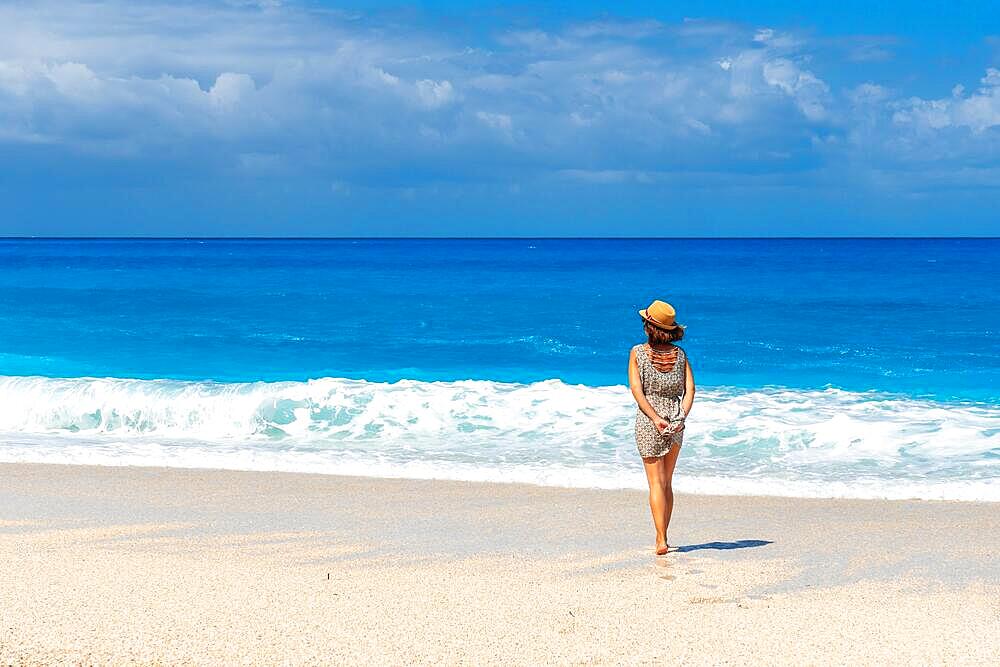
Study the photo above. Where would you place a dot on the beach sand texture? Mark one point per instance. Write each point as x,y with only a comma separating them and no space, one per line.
151,565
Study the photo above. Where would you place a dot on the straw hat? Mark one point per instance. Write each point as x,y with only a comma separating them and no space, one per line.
661,315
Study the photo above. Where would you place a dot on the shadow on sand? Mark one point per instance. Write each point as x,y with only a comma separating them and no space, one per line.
739,544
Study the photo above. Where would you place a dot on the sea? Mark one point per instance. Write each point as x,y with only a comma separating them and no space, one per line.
862,368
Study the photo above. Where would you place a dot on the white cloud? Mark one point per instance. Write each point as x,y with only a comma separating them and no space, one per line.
434,94
384,77
350,98
977,111
500,121
230,89
809,92
290,77
74,80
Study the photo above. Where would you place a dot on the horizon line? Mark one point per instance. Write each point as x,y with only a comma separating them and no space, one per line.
495,238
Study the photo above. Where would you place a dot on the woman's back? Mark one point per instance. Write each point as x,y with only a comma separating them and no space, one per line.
661,371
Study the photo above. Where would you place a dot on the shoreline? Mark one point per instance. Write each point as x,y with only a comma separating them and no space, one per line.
728,487
128,564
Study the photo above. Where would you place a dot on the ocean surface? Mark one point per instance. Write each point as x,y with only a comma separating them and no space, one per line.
845,368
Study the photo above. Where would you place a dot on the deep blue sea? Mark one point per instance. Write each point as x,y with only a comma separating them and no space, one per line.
864,368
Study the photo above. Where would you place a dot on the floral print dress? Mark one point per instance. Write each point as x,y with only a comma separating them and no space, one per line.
664,391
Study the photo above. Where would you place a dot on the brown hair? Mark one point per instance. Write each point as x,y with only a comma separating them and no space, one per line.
659,336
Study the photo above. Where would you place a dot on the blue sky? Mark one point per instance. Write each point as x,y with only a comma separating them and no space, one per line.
477,119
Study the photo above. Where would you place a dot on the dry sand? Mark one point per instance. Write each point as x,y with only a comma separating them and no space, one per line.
151,565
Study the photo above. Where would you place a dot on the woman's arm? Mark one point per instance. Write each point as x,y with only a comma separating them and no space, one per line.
688,389
635,384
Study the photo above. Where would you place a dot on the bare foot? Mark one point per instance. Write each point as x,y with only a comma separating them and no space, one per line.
661,549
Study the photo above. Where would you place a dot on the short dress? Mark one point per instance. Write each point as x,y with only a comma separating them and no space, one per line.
664,391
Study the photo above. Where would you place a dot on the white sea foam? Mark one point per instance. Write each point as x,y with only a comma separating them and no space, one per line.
776,441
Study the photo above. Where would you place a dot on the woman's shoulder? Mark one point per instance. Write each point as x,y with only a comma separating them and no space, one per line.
637,351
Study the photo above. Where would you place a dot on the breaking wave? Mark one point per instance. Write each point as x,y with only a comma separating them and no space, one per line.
775,441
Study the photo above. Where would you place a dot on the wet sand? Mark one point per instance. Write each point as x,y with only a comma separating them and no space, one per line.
153,565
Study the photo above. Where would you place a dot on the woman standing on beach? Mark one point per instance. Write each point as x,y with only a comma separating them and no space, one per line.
661,381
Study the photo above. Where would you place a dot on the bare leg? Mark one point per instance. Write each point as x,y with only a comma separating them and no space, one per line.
657,500
669,462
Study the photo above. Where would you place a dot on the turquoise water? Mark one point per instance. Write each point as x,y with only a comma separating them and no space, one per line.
826,367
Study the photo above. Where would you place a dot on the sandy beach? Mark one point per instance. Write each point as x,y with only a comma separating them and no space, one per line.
151,565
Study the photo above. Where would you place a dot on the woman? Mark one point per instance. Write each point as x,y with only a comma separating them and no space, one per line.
661,381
